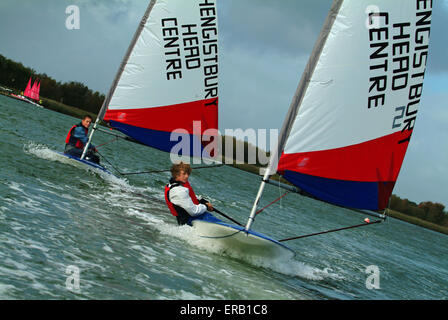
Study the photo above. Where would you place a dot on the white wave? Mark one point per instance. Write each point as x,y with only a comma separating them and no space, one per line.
166,225
107,248
44,152
184,295
150,219
290,267
300,269
5,290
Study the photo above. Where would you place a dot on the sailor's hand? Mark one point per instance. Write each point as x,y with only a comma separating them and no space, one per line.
209,206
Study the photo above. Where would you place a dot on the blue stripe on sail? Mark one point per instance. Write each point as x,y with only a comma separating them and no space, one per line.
159,139
352,194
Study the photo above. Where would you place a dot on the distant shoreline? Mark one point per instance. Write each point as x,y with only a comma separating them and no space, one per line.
59,107
416,221
78,113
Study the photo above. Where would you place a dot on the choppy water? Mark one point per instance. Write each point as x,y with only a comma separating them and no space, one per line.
56,215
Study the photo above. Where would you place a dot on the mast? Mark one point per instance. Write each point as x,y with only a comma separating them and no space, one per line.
295,104
119,73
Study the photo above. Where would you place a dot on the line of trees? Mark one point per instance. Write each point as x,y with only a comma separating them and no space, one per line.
16,75
428,211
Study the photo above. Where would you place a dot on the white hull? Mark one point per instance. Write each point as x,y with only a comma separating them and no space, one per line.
236,241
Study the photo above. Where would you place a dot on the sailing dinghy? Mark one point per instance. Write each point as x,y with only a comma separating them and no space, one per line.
167,80
352,116
90,164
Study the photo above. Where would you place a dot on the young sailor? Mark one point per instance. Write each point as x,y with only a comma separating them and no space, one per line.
180,197
77,138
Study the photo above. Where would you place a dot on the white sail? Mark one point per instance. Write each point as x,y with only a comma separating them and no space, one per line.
349,124
173,59
168,79
347,143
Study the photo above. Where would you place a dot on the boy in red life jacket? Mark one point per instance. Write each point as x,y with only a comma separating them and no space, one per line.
180,197
77,138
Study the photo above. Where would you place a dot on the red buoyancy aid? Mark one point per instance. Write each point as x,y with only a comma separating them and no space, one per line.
170,205
74,141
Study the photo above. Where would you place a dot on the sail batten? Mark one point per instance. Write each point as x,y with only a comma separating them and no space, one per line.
352,117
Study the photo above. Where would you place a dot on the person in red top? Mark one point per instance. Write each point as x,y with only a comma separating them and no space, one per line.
77,138
180,197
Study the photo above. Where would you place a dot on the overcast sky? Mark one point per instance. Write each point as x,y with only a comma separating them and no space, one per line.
264,46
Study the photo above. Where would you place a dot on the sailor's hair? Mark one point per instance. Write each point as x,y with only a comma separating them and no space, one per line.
178,167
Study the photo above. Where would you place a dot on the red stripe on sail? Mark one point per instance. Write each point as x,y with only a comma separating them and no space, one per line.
169,118
375,160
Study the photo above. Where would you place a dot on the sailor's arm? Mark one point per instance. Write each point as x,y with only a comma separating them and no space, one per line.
80,134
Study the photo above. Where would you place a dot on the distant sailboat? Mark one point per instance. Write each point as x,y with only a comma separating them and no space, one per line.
31,93
27,92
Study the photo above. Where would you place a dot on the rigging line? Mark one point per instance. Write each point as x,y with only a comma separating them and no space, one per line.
168,170
113,140
333,230
109,162
127,138
301,192
272,202
110,133
226,216
119,136
154,171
